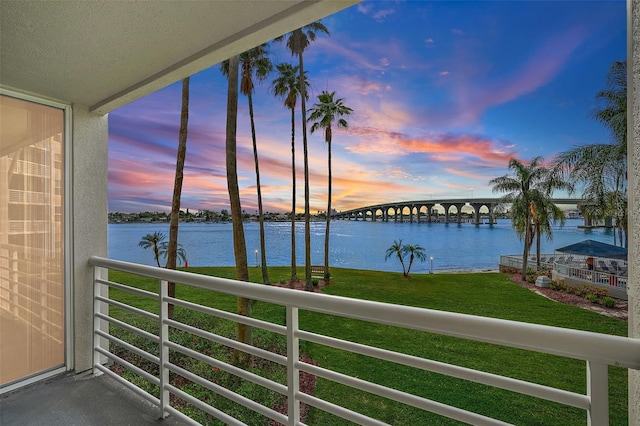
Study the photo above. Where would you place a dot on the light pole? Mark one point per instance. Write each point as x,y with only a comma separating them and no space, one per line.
256,257
431,267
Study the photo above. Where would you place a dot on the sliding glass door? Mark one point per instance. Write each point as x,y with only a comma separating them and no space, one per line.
32,252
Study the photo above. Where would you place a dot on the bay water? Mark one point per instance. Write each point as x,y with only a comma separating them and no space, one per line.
353,244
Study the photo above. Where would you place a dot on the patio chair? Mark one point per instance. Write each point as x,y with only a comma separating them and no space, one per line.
603,266
560,259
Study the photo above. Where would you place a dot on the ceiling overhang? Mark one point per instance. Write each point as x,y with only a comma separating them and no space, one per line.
106,54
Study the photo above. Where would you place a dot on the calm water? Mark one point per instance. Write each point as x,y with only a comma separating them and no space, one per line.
360,245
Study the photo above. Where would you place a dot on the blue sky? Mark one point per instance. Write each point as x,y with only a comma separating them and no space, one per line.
443,95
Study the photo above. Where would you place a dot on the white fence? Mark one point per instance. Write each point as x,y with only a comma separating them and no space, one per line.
574,272
598,350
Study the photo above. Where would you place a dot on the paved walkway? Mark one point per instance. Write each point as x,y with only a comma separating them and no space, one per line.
78,400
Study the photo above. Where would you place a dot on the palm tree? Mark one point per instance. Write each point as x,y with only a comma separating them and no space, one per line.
181,253
543,215
239,244
529,190
396,249
327,111
256,61
297,41
287,86
172,249
153,241
602,168
414,251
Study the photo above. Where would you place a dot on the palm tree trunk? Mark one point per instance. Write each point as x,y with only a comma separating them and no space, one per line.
538,244
307,217
263,246
525,252
404,269
410,263
327,274
294,272
177,189
239,245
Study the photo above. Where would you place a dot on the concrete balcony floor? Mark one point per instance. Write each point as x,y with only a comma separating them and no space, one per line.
74,400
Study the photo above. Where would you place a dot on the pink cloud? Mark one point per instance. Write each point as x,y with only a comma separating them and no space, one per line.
538,70
464,173
450,145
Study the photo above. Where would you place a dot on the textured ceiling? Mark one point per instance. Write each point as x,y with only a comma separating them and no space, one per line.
105,54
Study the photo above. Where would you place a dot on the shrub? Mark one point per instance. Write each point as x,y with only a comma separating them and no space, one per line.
531,275
560,285
609,302
592,298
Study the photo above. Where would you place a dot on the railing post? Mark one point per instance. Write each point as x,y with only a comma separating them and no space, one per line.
598,393
164,349
98,324
293,374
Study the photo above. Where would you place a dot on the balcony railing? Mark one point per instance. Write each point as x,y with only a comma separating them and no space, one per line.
598,350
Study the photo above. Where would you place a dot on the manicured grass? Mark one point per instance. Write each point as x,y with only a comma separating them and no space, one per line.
491,295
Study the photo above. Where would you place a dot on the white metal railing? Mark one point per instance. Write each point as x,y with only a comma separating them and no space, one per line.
598,350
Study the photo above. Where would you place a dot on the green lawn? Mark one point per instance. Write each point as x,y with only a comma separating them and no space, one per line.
491,295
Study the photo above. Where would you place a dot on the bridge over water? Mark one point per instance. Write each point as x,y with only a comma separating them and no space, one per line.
423,210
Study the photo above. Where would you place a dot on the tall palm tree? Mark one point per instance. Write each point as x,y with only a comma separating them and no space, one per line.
396,250
256,61
602,168
172,248
413,250
153,241
297,42
327,111
287,86
239,244
528,190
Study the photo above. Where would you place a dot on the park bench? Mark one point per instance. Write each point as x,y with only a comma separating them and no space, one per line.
317,271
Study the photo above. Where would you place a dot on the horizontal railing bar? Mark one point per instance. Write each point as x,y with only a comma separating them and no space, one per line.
144,354
399,396
128,327
181,416
339,411
224,417
129,308
265,325
230,395
507,383
600,348
152,399
254,378
270,356
137,370
128,289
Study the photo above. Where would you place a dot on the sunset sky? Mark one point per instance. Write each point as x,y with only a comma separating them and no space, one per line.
443,95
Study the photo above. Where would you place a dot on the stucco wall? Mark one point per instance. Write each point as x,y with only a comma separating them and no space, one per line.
633,152
89,210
